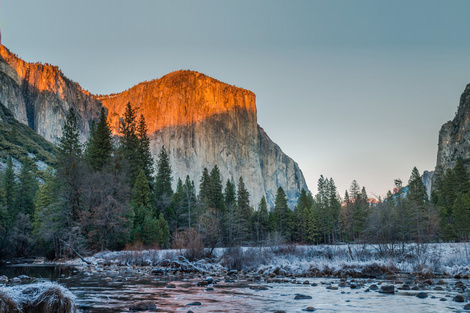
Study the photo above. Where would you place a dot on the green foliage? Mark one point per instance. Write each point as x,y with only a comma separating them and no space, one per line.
282,219
19,141
69,144
216,197
163,190
145,156
10,186
27,188
307,224
204,188
461,216
327,207
129,144
99,147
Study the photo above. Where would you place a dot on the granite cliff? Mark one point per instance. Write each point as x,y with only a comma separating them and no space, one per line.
454,136
203,122
200,121
39,95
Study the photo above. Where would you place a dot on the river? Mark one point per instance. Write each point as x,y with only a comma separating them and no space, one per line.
108,292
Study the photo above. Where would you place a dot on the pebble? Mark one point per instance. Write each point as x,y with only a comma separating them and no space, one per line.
302,297
459,298
422,295
373,287
143,306
389,289
194,303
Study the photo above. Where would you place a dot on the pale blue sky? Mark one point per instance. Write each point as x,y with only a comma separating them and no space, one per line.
348,89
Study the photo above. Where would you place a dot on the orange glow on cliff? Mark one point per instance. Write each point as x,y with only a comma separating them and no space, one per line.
179,98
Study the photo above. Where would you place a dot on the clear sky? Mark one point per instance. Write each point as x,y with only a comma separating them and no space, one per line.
348,89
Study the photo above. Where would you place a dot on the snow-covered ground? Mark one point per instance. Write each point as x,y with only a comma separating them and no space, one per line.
448,259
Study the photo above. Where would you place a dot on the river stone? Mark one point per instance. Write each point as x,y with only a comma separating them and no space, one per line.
194,303
16,280
442,299
459,298
422,295
302,297
467,306
405,287
143,306
310,309
3,279
203,283
373,287
390,289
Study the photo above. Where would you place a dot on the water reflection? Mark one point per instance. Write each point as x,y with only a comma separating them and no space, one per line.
114,292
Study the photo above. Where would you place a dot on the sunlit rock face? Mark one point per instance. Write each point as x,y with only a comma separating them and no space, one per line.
454,136
40,96
203,122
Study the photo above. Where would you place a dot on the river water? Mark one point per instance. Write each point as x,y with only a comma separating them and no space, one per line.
99,292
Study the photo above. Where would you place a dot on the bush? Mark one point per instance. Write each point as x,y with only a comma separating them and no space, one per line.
191,242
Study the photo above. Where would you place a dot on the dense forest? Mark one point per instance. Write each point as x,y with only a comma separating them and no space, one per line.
108,194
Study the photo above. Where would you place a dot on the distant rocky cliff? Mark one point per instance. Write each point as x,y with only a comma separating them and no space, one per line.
203,122
40,96
454,136
200,121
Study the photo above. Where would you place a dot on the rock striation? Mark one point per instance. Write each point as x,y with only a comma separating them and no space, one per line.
454,136
39,95
201,122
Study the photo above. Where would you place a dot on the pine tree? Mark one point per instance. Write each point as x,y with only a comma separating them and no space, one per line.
176,221
216,197
204,189
165,232
244,212
334,207
129,144
282,216
163,190
70,169
461,216
189,200
141,205
303,211
163,179
145,156
27,189
417,202
69,143
9,185
99,148
231,209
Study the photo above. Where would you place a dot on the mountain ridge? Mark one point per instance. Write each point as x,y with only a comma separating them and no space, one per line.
200,120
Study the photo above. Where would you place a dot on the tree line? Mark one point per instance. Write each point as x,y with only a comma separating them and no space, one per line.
108,194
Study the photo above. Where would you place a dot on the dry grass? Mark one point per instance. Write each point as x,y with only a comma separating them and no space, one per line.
7,304
37,298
